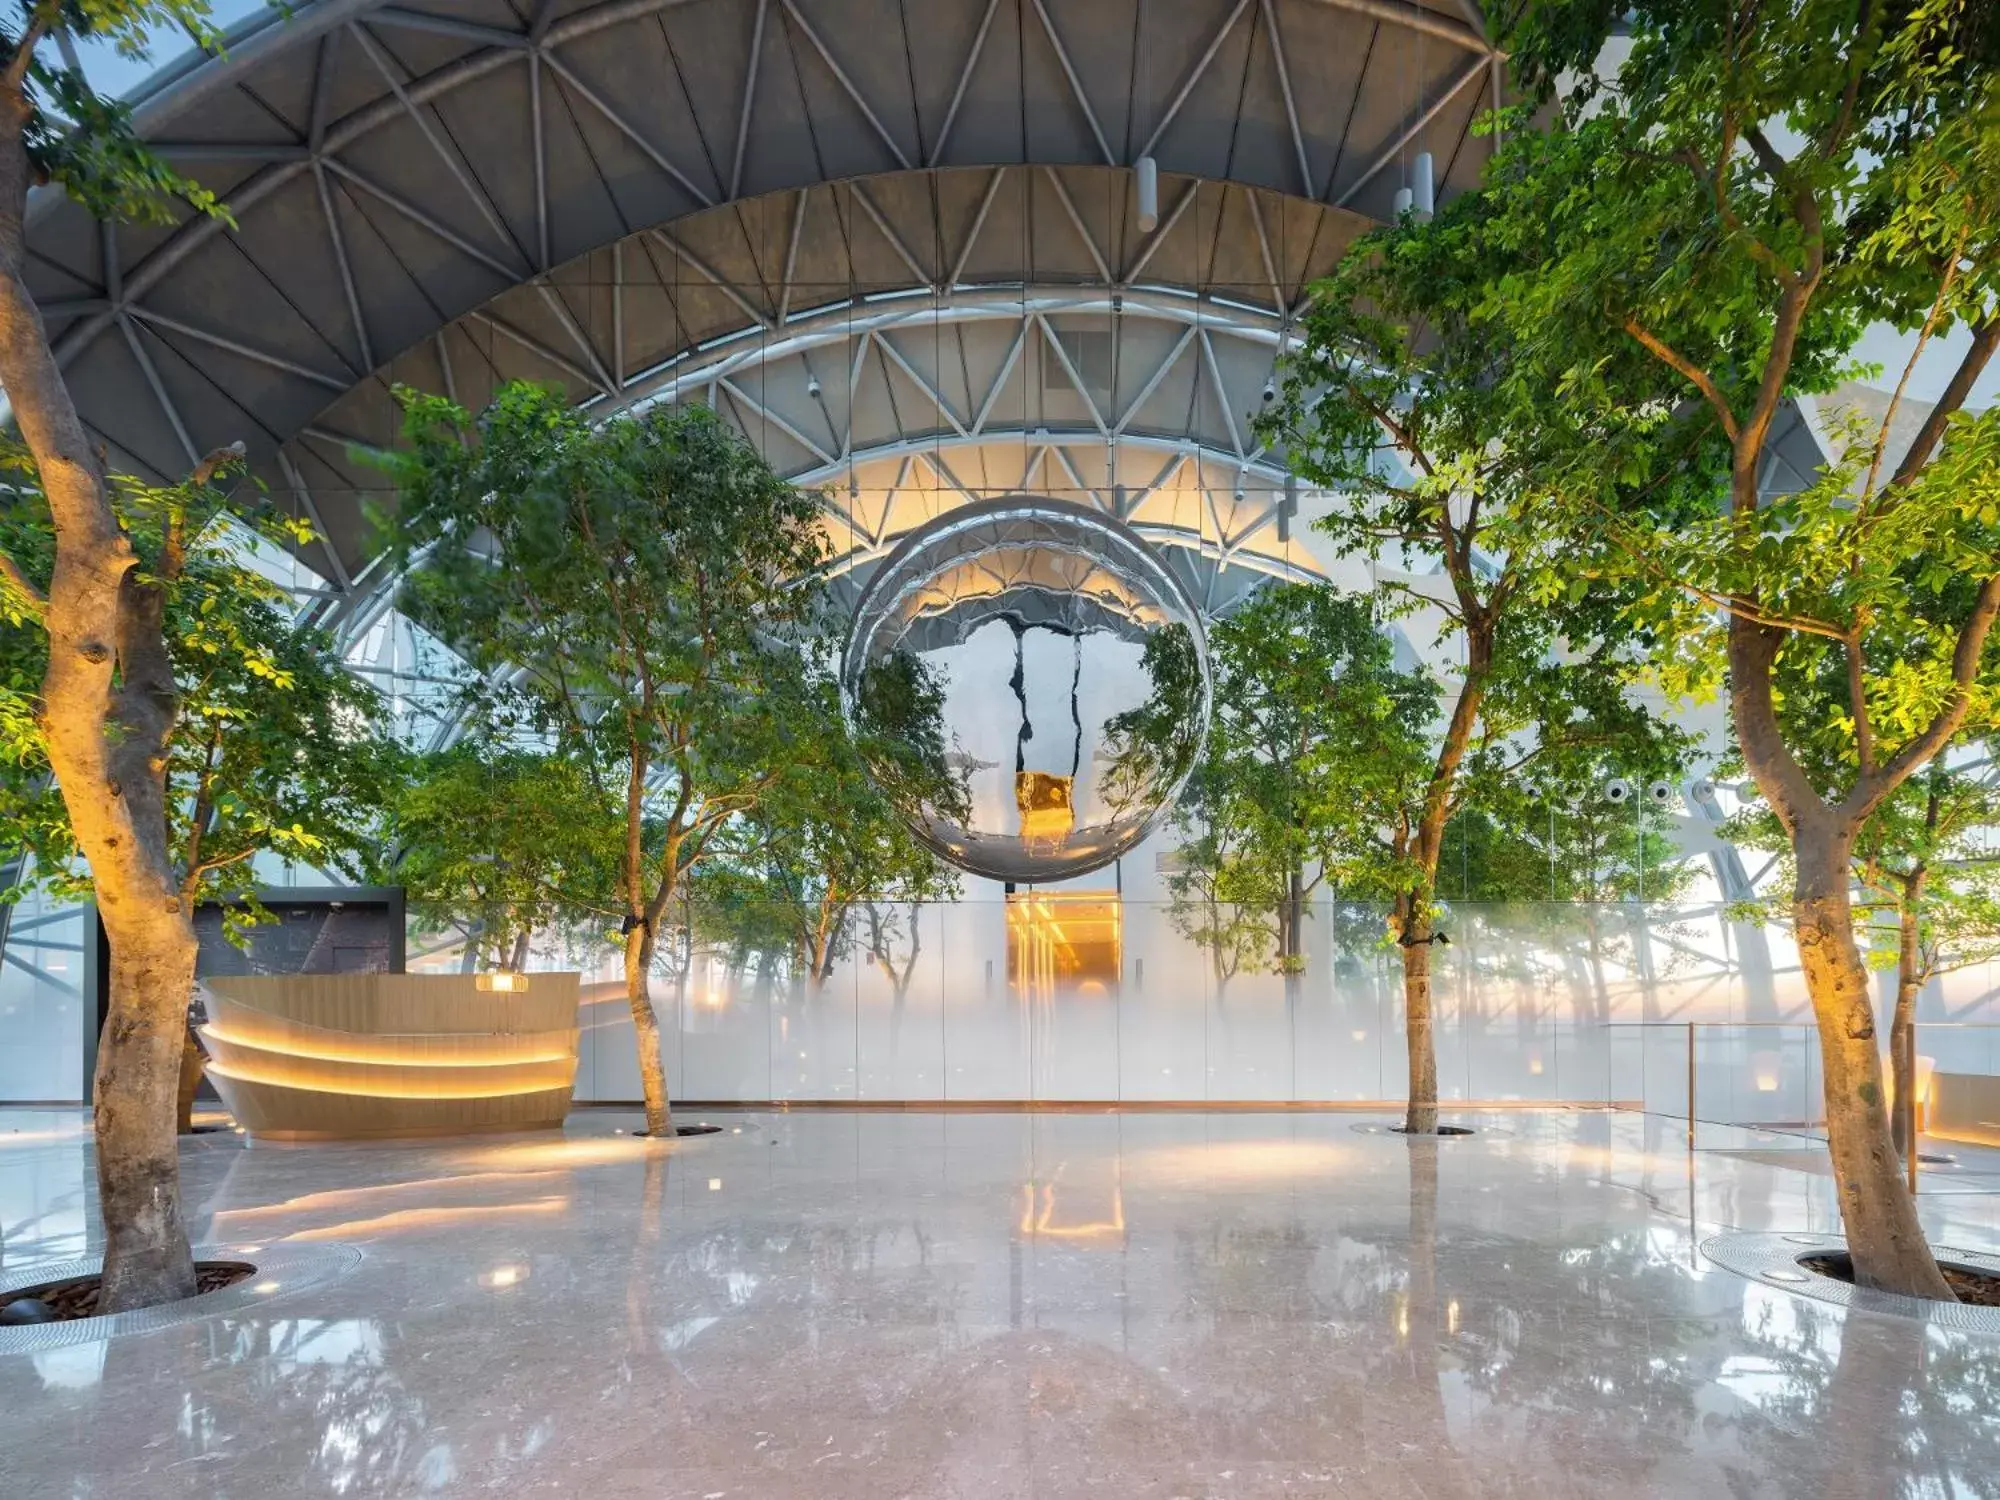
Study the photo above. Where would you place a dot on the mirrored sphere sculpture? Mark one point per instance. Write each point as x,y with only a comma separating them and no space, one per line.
1067,668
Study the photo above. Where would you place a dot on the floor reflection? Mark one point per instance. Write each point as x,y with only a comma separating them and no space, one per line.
825,1304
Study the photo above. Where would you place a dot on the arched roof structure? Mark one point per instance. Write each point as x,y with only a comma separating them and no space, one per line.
896,243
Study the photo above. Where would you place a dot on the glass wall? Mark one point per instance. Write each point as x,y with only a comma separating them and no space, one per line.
1033,998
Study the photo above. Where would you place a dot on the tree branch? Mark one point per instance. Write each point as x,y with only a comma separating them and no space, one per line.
1857,701
1671,357
15,77
22,584
1870,791
1938,303
1985,339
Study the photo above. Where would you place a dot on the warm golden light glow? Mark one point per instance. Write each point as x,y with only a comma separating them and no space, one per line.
431,1218
384,1051
1068,938
1764,1068
333,1056
502,982
501,1276
1041,1222
1048,813
1244,1161
301,1073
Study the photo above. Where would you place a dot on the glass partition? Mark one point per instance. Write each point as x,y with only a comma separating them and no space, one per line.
1079,996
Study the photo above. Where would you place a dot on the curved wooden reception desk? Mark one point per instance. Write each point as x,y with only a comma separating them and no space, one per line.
332,1056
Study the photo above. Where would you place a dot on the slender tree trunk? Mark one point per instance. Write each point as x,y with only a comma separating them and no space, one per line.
1883,1233
518,959
646,1028
1413,911
1903,1024
107,709
1295,943
1426,1330
1421,1117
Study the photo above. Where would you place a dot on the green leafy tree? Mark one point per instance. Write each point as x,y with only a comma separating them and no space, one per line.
1930,879
1927,894
107,701
1703,234
827,835
635,590
502,842
1462,503
1312,734
276,748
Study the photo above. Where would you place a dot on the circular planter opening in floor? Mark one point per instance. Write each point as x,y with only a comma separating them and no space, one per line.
276,1273
1793,1263
682,1130
76,1296
1442,1133
1972,1286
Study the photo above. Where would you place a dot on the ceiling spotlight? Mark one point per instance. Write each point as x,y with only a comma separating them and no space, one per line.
1270,391
1617,790
1702,790
1748,791
812,385
1660,793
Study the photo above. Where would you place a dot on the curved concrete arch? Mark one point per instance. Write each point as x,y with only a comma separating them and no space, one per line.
395,172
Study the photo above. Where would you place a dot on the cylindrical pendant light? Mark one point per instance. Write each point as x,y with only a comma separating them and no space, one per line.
1148,183
1424,185
1402,201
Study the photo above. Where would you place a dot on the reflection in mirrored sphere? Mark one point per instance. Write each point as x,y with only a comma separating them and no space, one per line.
1073,679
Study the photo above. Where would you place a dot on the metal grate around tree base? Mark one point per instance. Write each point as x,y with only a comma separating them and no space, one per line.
282,1270
1772,1260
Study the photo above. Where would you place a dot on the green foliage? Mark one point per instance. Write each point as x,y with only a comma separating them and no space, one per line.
636,591
1926,852
1315,749
276,747
84,141
1462,498
1156,744
1558,837
503,842
1709,233
826,836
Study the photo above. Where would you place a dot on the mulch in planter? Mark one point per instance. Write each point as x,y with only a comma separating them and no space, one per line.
77,1297
1973,1288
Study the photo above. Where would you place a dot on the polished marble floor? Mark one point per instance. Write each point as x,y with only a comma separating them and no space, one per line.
923,1305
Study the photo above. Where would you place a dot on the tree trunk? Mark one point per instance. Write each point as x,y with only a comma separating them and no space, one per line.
137,1090
646,1028
192,1064
518,959
1883,1233
107,709
1903,1027
1425,1331
1422,1115
1295,942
